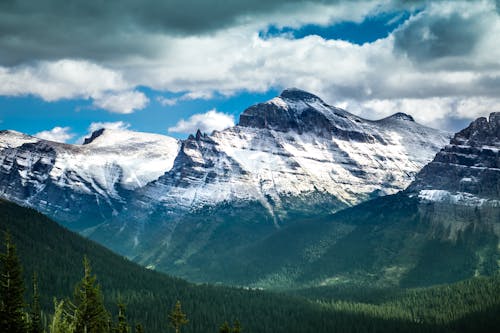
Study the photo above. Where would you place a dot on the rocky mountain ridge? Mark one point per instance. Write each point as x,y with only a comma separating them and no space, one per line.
291,146
469,164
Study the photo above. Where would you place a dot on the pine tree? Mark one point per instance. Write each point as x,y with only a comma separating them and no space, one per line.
225,328
122,326
12,315
90,315
35,325
236,327
61,322
177,318
139,329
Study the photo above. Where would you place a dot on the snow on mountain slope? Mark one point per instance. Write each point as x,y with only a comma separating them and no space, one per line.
113,157
293,152
292,146
140,157
13,139
55,177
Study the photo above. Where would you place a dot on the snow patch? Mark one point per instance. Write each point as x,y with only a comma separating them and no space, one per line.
13,139
459,198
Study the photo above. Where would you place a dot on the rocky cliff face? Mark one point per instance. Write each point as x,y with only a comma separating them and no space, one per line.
469,164
290,147
460,188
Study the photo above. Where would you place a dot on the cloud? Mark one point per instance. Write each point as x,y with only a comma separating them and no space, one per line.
444,30
186,97
56,80
117,125
447,113
122,102
102,31
69,79
205,122
374,79
57,134
167,101
445,54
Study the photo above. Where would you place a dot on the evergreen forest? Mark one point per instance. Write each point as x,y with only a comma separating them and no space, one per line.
53,280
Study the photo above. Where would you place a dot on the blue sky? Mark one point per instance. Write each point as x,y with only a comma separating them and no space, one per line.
152,73
30,114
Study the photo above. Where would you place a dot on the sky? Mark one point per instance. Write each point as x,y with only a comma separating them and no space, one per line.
173,66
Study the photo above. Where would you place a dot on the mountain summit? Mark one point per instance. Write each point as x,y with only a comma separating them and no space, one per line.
298,94
299,111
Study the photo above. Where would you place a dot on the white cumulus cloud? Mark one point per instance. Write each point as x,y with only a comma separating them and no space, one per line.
205,122
122,102
57,134
116,125
167,101
60,79
70,79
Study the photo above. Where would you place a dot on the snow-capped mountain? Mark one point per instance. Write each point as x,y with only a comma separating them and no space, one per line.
452,208
82,184
292,146
289,156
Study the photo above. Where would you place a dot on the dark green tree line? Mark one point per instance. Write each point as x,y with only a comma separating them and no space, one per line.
12,315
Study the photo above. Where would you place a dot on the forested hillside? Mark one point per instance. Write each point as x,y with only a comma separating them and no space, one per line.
56,255
387,241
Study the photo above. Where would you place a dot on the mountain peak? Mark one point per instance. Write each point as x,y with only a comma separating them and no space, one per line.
93,136
481,131
296,94
293,109
401,116
10,139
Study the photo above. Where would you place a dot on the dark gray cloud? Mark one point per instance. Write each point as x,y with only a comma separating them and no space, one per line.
99,30
110,30
428,37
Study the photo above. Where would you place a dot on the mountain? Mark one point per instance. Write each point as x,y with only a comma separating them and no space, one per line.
76,184
296,146
443,228
162,201
56,255
463,180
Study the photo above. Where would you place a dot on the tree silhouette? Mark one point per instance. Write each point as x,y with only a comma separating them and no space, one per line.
35,325
90,315
12,315
177,318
